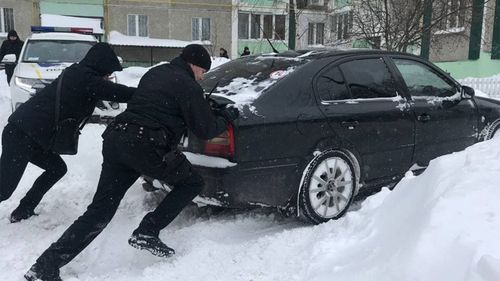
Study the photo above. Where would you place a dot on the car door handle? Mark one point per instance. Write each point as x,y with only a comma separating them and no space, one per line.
424,117
349,124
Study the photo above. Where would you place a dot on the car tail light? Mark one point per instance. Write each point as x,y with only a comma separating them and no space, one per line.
222,145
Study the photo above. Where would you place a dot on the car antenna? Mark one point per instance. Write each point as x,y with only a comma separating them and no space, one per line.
213,89
274,49
269,41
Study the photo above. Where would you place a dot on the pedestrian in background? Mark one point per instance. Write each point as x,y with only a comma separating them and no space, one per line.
11,45
246,51
223,53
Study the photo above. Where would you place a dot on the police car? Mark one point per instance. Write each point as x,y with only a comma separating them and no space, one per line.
44,56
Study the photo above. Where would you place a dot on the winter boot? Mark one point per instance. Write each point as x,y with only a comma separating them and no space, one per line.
152,244
38,273
21,213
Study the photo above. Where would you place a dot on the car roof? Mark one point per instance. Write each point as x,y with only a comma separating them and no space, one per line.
63,36
330,52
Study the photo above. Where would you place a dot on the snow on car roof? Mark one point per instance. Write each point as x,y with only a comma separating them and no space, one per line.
63,36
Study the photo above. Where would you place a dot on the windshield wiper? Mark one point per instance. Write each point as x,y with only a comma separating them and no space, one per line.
213,89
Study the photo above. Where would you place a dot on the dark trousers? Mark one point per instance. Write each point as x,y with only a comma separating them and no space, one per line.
126,157
18,149
9,71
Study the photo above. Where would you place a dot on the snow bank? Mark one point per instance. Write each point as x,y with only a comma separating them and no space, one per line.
217,61
119,39
441,225
131,76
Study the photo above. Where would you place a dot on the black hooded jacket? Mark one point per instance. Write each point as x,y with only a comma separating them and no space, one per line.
169,98
82,87
11,47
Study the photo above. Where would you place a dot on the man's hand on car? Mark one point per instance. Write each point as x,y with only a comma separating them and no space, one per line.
229,113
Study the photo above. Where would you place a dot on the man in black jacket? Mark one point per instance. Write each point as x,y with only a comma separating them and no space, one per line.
29,133
11,45
143,141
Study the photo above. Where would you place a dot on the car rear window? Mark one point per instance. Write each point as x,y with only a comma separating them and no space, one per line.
243,80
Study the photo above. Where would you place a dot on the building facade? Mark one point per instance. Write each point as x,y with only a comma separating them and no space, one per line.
258,24
461,41
207,23
314,24
473,50
16,14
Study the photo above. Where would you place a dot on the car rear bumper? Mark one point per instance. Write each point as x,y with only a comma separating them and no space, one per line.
249,184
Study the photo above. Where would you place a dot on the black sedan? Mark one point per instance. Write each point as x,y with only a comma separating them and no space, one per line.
318,127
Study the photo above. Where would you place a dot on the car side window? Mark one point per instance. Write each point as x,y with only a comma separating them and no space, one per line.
331,85
369,78
423,81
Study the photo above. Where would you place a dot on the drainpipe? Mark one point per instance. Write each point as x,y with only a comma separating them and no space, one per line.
105,19
495,43
476,29
291,26
426,36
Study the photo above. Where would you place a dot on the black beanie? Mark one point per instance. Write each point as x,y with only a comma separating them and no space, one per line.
197,55
12,33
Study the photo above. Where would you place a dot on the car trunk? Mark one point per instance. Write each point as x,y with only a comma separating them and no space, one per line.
239,83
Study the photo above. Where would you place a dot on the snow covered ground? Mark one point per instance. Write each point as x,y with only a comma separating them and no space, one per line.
442,225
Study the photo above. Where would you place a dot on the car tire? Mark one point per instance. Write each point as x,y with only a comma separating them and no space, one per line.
328,186
493,130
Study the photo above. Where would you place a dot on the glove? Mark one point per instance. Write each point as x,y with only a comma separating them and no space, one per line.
230,113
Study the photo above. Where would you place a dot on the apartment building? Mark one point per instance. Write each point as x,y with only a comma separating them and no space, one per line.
154,31
257,23
16,14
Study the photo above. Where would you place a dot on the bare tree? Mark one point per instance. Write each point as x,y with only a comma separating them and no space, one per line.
398,24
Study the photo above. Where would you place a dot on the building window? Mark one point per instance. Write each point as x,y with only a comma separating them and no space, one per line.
255,27
310,34
342,25
454,15
137,25
6,19
201,29
320,31
268,26
261,26
280,27
316,2
315,33
243,25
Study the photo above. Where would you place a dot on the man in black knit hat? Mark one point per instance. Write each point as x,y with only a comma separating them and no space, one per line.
143,141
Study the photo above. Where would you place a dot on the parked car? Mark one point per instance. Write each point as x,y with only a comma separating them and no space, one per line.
318,127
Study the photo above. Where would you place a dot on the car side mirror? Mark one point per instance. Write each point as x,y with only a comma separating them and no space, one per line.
467,92
9,59
120,59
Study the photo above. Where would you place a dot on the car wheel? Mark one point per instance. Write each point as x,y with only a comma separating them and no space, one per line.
493,130
495,133
328,187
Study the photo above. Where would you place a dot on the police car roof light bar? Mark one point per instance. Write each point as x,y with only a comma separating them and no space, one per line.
83,30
